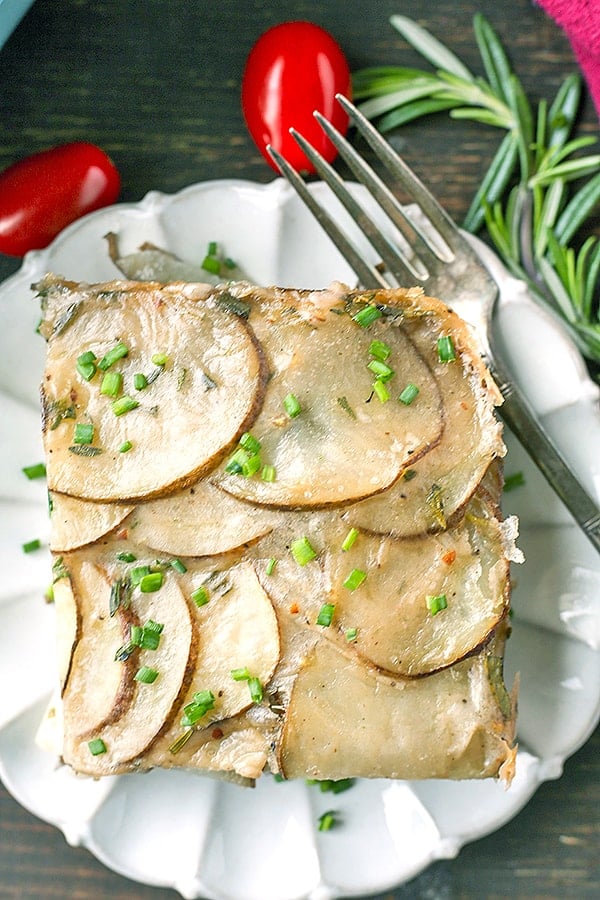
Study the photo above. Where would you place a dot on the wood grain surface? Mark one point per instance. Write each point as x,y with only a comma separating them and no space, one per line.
157,85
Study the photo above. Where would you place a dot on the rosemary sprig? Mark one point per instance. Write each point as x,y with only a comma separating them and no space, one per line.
540,189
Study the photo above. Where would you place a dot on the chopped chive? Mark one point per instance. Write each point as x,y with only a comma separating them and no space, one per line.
436,603
123,405
151,582
350,539
160,359
380,350
88,357
237,462
205,698
292,406
251,466
87,371
355,579
136,633
445,348
367,315
97,746
229,263
86,365
83,433
37,470
380,389
211,264
140,381
146,675
138,573
514,480
112,383
325,617
302,551
327,820
410,393
125,447
256,689
212,248
268,473
118,352
351,634
31,546
126,557
271,566
178,566
249,442
151,635
200,705
200,596
331,785
380,369
240,674
409,474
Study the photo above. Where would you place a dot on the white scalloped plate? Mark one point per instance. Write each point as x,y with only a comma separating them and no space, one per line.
200,836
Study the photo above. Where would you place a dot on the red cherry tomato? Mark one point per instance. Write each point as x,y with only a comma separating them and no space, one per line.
43,193
293,69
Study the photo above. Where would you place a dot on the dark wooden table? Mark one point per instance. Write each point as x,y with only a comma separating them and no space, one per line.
157,85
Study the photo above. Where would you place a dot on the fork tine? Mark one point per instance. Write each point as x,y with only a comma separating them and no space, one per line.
367,274
418,239
438,216
397,263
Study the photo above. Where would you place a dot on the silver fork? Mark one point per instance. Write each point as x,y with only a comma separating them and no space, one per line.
438,257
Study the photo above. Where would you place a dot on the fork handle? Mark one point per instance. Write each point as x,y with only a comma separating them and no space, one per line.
523,422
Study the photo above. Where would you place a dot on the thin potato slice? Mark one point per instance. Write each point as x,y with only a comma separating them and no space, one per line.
235,748
236,630
394,610
199,521
75,523
441,483
133,726
344,720
345,443
97,690
199,400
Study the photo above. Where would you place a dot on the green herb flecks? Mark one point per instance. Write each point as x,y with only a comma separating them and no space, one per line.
120,595
201,703
85,450
97,746
343,402
59,570
514,480
37,470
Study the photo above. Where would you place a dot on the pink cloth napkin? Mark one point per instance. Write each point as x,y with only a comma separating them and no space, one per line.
580,20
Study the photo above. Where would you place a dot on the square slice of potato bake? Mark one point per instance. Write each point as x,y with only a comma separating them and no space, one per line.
276,531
